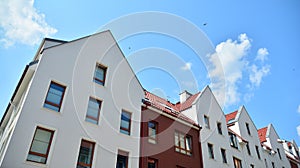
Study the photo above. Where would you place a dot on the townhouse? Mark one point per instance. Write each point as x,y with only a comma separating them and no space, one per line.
248,150
77,105
168,138
215,144
272,148
292,152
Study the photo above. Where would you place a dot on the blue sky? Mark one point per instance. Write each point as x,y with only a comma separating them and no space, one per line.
255,41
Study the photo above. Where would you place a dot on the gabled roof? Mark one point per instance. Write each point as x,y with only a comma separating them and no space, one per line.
262,133
231,116
188,103
168,107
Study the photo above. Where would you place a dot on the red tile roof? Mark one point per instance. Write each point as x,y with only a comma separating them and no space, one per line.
188,103
231,116
168,107
262,134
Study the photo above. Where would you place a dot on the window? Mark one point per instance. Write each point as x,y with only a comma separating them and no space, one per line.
206,121
248,148
233,140
40,145
219,126
257,152
86,152
223,153
252,165
273,165
122,160
125,123
152,131
183,143
93,111
290,149
248,129
100,74
177,166
54,96
152,163
278,151
266,164
210,151
237,163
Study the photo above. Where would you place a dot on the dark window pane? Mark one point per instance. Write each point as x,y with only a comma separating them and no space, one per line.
86,152
122,161
152,163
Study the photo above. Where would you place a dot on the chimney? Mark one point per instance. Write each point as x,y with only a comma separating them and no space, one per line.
184,96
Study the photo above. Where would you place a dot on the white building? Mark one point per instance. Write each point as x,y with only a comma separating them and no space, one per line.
273,152
249,150
205,111
292,152
77,104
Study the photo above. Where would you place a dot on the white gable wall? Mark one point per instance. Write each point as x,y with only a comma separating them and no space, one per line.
253,139
207,105
73,64
272,138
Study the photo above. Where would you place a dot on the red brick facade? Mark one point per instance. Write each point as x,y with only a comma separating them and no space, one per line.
163,152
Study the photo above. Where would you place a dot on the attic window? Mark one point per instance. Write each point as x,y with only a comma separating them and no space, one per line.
100,74
248,129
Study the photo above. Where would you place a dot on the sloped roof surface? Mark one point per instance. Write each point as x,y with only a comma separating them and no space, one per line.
188,103
231,116
168,107
262,134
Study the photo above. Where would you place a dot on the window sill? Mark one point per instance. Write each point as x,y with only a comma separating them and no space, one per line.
92,124
151,141
183,154
52,111
212,159
98,84
35,164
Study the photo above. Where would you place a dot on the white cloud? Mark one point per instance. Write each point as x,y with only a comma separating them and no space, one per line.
187,66
256,74
231,67
262,54
298,110
229,61
21,22
298,130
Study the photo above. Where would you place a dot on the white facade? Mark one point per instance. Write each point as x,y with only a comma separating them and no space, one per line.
292,151
240,125
72,64
207,105
273,151
244,131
